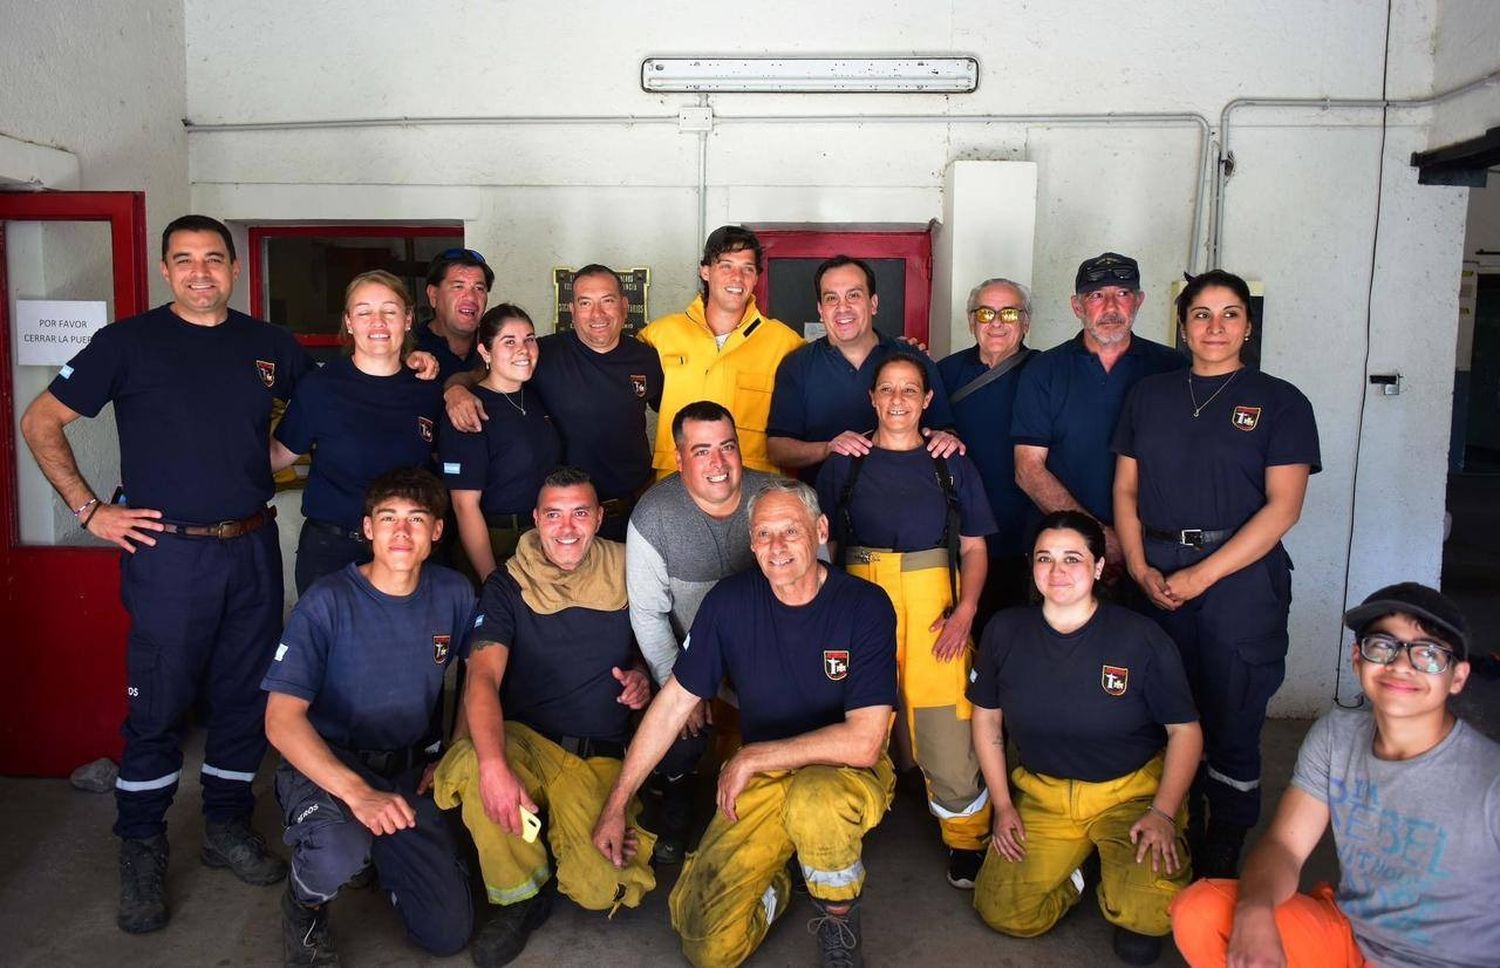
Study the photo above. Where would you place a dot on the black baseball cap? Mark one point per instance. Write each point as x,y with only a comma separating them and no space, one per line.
1108,269
1435,609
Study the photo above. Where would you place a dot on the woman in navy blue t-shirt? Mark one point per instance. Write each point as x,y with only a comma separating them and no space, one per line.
360,415
1212,468
494,475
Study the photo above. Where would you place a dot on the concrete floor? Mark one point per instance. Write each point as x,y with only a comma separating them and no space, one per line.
58,878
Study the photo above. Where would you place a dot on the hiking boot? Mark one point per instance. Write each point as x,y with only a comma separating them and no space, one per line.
674,816
143,885
963,867
306,939
838,936
1136,949
232,844
504,935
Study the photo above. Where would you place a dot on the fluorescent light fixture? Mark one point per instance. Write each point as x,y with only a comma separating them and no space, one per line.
810,75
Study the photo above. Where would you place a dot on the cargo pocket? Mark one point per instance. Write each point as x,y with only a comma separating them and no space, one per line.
752,399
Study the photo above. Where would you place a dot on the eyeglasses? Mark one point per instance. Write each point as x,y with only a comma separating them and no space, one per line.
985,315
1123,273
469,254
1424,656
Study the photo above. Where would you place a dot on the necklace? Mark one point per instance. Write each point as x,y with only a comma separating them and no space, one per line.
522,409
1199,407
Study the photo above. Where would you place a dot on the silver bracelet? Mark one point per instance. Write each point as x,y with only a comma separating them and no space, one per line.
1153,808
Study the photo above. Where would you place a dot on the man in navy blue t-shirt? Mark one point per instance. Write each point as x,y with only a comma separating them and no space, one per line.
458,287
355,709
192,384
811,652
1069,398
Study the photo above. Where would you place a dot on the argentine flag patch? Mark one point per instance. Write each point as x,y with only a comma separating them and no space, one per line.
280,651
65,372
451,467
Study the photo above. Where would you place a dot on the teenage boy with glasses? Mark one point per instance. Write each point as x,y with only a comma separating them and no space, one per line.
1413,795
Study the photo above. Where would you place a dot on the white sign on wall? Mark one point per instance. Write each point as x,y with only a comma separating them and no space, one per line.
50,331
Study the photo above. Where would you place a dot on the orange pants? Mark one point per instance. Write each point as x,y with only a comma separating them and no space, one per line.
1314,932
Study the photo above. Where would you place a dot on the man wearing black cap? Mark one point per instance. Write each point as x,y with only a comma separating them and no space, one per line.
1069,398
1413,795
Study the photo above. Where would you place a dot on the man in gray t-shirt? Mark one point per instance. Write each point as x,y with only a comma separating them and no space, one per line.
1413,796
685,534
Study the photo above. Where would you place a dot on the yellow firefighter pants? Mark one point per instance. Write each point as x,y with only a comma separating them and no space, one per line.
1065,820
736,884
932,692
572,791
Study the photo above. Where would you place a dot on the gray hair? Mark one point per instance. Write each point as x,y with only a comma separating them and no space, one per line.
787,485
1000,281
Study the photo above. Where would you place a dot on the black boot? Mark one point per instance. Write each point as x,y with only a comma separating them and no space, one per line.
306,940
1220,856
232,844
143,885
840,944
503,937
1134,948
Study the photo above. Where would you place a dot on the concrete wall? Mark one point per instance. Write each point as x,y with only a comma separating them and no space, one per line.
94,96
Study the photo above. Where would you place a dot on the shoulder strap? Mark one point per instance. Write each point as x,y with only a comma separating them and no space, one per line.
990,376
950,523
843,516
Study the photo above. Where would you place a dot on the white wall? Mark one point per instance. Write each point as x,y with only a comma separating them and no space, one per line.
101,89
1299,214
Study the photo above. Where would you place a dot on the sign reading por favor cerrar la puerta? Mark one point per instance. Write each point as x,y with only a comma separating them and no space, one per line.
49,332
637,284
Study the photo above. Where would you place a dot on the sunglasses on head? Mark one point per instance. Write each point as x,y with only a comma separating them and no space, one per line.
1098,273
461,254
985,315
1424,656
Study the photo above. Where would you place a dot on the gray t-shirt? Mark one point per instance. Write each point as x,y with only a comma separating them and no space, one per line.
674,553
1418,840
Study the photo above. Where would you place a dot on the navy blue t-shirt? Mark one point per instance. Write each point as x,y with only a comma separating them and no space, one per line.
192,407
982,420
1067,403
507,460
795,668
898,502
370,664
819,395
1209,471
598,402
449,363
1090,705
558,677
358,426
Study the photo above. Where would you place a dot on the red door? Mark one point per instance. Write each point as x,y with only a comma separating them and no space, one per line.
903,270
62,648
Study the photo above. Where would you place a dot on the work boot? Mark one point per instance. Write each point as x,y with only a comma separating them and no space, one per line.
306,939
1220,856
1134,948
232,844
963,867
674,817
143,885
838,935
503,937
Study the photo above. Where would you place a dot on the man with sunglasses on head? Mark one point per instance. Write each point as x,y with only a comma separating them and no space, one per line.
1413,796
1069,398
458,287
981,383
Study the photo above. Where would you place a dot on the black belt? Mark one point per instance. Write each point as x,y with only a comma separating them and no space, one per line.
509,522
389,763
583,747
1190,537
224,530
328,527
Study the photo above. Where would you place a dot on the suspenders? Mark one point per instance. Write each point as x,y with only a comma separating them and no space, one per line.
844,519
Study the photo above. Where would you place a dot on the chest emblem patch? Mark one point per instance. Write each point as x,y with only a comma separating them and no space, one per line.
267,371
1245,418
424,427
440,648
638,384
1114,679
836,664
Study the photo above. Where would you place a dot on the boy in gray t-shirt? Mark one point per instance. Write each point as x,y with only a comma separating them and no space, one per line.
1413,796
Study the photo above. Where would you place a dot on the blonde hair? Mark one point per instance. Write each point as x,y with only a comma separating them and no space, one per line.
378,277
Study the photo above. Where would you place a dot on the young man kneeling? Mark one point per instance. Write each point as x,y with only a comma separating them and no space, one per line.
1413,794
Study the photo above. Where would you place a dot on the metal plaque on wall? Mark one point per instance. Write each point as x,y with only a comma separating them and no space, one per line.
637,284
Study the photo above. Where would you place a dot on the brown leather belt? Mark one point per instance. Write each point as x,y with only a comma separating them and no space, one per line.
224,530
